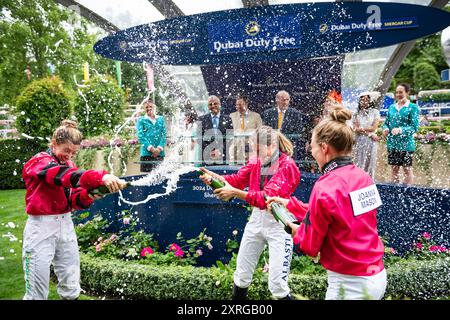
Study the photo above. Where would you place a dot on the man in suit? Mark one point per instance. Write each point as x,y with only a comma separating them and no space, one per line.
291,122
245,122
212,128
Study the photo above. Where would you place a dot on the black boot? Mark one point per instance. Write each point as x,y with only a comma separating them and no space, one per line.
288,297
239,293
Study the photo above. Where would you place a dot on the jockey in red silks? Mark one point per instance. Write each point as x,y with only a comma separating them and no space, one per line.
271,173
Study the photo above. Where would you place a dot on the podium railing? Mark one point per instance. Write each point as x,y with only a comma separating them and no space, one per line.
191,150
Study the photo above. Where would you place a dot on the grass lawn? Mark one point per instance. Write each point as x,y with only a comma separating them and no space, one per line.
12,211
12,222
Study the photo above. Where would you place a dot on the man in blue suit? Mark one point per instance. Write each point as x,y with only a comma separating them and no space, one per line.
212,128
291,122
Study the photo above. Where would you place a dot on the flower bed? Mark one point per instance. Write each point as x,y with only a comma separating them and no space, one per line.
129,264
130,243
105,277
432,137
101,142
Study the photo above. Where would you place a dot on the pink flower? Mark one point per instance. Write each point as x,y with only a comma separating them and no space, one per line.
146,250
133,141
116,142
419,246
426,235
113,237
86,144
266,268
126,220
174,247
433,248
392,250
199,252
98,247
179,253
438,249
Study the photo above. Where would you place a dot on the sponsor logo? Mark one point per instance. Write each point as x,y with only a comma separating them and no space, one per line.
252,28
323,28
122,45
394,23
280,33
287,258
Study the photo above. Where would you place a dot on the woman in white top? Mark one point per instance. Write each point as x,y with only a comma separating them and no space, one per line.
365,123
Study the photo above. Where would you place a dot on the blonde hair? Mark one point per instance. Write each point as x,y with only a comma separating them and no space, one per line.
67,132
334,130
147,101
269,136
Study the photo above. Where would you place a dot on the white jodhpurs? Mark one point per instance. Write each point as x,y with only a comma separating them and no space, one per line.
262,228
346,287
50,240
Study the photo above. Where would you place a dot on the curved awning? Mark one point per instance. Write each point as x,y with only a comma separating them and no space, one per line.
364,70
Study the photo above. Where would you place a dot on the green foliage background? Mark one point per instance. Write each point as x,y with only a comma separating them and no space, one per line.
100,106
426,77
15,153
42,106
426,59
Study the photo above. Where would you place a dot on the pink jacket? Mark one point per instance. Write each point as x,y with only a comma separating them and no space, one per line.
347,244
285,179
54,188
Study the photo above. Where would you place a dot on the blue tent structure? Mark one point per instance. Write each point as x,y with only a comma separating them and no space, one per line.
406,213
363,53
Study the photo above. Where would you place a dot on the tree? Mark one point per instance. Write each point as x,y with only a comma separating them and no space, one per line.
426,50
41,34
41,107
99,106
426,77
134,78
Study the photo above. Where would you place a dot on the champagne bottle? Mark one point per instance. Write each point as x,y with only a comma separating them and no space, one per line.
283,215
103,190
215,183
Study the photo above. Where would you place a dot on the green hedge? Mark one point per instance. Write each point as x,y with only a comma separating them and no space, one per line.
435,97
424,279
435,129
99,106
425,76
412,279
41,107
15,153
426,129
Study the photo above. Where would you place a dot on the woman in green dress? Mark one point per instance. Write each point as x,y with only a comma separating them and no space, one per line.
402,122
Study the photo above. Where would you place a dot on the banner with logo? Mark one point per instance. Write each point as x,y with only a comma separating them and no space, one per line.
278,33
364,26
273,33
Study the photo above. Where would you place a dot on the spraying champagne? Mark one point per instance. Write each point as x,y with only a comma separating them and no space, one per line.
103,190
215,183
